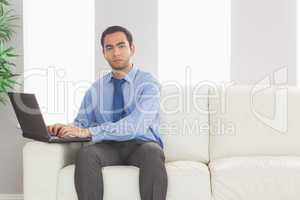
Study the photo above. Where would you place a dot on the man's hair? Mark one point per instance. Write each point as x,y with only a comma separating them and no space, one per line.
114,29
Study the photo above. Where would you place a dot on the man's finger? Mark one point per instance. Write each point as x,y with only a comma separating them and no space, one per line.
67,133
49,128
60,128
60,131
63,131
57,127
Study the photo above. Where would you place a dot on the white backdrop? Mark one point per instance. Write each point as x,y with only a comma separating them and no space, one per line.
59,54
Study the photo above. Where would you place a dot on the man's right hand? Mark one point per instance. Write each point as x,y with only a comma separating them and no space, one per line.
54,129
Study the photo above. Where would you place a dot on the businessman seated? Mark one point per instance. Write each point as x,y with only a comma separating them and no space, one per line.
120,112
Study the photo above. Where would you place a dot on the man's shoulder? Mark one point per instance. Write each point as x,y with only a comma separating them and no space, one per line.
145,76
102,80
99,83
146,81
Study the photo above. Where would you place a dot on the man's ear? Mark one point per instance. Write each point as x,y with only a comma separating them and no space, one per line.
103,53
132,49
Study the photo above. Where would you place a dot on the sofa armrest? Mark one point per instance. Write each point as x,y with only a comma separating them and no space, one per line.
41,165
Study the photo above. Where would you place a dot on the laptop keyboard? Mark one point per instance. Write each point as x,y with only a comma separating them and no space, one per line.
67,137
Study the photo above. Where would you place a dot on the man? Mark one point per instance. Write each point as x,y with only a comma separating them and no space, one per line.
120,112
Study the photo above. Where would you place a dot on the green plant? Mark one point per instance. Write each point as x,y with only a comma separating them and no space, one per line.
7,54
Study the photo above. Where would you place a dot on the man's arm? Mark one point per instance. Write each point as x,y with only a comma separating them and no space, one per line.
137,122
85,118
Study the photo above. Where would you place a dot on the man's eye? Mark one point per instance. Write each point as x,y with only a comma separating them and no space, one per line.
108,48
122,46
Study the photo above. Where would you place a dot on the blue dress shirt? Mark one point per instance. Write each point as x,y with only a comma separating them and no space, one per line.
141,94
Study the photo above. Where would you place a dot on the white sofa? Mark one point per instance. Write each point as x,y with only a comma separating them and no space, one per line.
246,147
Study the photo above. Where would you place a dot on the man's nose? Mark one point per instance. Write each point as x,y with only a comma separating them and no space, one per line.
116,52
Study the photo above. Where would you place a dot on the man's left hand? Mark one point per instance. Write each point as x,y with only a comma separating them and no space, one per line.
74,132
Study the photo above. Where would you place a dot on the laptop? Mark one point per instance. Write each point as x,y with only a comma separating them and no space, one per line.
32,122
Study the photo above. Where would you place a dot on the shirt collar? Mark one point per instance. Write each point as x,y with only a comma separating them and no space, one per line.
129,77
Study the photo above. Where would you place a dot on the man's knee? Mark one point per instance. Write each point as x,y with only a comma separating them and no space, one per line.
153,152
85,153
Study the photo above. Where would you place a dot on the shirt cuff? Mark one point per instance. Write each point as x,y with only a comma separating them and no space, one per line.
92,131
96,137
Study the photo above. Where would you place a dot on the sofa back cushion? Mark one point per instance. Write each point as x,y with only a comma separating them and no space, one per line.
254,120
184,122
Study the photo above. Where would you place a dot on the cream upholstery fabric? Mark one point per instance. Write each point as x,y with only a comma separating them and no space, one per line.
184,123
248,178
249,123
42,162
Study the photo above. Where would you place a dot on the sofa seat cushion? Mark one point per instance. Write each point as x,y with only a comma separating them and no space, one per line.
187,180
248,178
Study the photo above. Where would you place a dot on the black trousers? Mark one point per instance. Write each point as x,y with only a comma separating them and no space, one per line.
148,156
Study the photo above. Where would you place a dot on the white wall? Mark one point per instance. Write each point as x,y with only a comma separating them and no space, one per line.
263,39
194,41
140,17
58,55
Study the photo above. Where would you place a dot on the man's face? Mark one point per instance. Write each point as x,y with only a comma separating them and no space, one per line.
117,51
